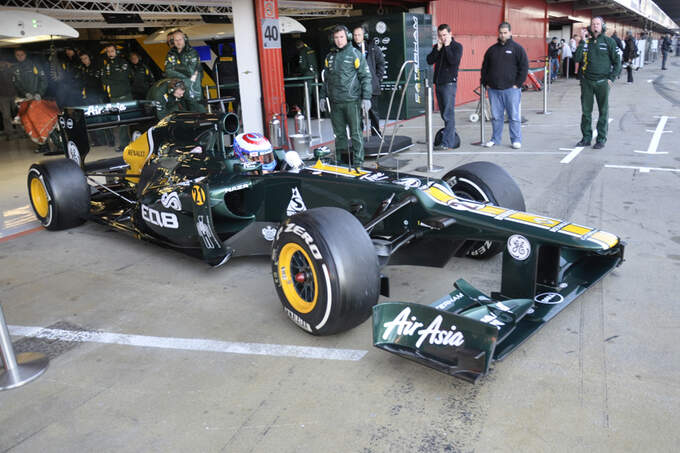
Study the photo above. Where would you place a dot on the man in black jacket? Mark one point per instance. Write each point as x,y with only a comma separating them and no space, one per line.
630,53
504,69
376,64
666,48
445,57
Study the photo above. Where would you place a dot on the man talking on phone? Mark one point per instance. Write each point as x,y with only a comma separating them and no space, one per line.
600,65
445,57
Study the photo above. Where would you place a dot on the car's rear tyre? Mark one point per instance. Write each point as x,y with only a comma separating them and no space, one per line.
59,193
485,182
325,270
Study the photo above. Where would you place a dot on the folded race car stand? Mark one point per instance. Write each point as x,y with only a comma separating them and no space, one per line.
18,370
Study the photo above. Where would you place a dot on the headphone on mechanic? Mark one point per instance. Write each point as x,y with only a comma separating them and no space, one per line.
173,84
339,28
186,37
364,28
604,25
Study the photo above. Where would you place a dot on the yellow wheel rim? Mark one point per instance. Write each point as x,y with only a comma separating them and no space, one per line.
298,278
39,197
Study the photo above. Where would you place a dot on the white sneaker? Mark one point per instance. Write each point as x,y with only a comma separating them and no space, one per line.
489,144
516,145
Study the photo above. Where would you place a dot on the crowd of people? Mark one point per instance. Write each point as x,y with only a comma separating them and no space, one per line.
80,77
354,69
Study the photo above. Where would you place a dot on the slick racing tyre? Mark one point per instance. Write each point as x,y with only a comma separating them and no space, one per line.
485,182
59,193
325,270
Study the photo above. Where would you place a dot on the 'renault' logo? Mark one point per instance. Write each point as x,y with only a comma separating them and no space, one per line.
198,194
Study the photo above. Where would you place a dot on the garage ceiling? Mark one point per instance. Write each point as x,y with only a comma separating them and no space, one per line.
159,13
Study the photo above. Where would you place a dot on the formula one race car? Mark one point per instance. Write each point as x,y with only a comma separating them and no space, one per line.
330,229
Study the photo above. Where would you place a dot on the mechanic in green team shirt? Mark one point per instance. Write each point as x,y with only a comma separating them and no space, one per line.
116,77
142,77
28,77
348,88
600,65
183,62
169,96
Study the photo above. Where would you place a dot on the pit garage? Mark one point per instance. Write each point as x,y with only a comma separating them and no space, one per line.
173,297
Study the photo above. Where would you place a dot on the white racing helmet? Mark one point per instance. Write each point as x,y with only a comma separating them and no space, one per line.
254,147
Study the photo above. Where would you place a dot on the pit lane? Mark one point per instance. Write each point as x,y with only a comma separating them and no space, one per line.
598,377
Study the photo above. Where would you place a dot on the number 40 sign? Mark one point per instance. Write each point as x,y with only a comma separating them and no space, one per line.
271,35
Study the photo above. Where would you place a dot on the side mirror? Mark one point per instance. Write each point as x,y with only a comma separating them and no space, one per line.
244,167
322,152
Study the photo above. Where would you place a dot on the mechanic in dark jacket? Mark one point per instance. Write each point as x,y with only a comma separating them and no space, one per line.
183,62
116,76
445,57
376,64
600,65
89,76
504,70
169,96
347,84
28,77
630,53
142,77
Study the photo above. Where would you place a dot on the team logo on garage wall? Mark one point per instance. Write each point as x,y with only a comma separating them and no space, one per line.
171,200
73,153
198,195
519,247
296,203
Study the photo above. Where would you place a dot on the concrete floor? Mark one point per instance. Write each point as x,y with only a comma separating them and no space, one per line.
602,376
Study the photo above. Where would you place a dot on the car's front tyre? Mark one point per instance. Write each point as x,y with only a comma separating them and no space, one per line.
325,270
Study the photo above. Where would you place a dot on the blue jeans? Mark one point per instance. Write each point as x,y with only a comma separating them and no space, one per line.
554,67
446,98
508,100
664,57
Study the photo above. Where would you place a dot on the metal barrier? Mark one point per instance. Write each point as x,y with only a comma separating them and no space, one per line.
18,372
429,106
546,86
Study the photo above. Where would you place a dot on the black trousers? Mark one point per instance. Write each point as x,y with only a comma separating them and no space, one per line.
629,70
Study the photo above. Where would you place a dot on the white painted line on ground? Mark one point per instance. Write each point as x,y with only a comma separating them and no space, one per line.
656,138
643,169
190,344
572,155
469,153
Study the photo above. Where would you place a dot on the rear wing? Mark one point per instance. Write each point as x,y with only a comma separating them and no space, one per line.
77,121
